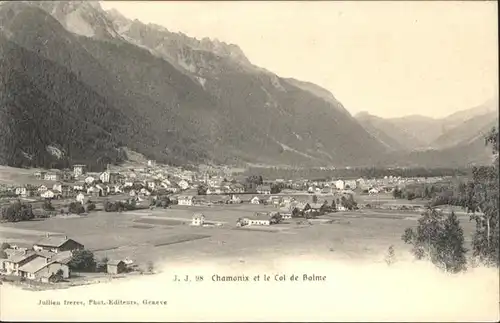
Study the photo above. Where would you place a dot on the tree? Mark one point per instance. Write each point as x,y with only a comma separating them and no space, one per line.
58,276
82,260
5,245
315,199
481,200
334,206
90,207
47,206
390,257
3,254
202,190
439,239
150,267
17,211
76,208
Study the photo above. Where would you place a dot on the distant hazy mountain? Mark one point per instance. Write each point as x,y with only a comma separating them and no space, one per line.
392,134
163,94
420,133
467,131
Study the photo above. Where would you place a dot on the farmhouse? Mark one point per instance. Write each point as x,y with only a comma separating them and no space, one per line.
259,220
48,194
213,190
80,198
78,170
184,185
57,244
339,184
264,189
115,267
63,257
89,180
15,260
43,269
52,177
198,219
39,175
185,200
42,188
21,191
255,200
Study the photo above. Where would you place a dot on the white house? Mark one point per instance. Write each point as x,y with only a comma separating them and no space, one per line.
21,191
340,184
151,163
57,187
42,269
264,189
51,177
42,188
183,184
78,170
259,219
128,184
48,194
185,200
80,198
198,219
151,185
89,180
255,200
104,177
351,184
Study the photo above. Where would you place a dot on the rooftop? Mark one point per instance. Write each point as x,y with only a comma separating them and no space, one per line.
35,265
53,241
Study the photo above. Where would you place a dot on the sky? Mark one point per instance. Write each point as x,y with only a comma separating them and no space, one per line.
388,58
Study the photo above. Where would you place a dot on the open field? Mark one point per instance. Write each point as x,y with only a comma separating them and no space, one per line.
166,234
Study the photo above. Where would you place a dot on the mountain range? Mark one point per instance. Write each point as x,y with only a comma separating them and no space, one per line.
79,84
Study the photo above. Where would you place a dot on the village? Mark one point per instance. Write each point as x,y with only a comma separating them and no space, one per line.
158,197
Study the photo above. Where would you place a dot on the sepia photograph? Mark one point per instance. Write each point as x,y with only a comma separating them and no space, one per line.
302,161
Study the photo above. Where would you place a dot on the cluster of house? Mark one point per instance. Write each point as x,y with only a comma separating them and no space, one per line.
47,261
80,184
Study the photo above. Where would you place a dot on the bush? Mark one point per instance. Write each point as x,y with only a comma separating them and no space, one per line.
82,260
47,206
76,208
90,207
5,245
439,239
17,211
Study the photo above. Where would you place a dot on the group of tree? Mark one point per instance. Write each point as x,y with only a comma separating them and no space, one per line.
120,206
3,246
17,211
441,238
82,261
353,172
161,201
76,208
425,191
349,202
47,206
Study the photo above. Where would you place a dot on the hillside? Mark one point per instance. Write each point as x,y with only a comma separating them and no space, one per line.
387,132
43,104
467,131
188,100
